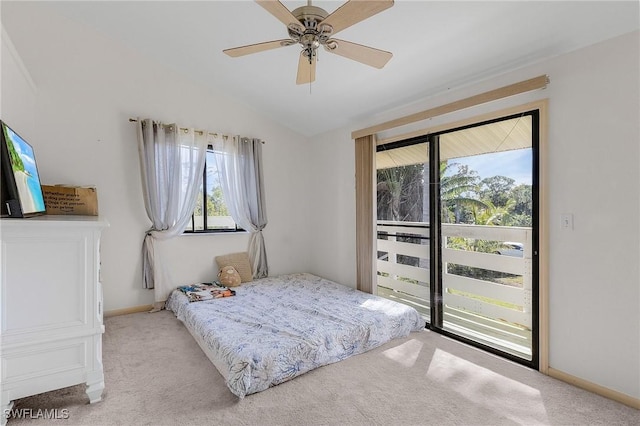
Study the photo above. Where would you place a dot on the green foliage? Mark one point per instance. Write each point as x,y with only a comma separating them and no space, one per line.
465,198
400,193
524,220
522,195
198,210
496,189
215,204
458,193
492,201
493,215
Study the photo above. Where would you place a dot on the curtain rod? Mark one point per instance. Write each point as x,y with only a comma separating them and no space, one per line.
539,82
200,132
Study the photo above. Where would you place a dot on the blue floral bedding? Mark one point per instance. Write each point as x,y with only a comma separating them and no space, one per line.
277,328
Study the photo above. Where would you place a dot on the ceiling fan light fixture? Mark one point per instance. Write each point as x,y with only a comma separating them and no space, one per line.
310,53
310,40
311,27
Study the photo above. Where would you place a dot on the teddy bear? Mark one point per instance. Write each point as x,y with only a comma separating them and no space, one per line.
229,277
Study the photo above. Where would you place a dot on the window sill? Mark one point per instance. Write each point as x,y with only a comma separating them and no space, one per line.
191,234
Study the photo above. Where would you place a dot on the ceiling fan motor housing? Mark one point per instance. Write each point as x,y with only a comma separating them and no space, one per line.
307,32
310,16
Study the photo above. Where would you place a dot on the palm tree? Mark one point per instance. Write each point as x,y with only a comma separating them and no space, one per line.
400,193
494,215
456,190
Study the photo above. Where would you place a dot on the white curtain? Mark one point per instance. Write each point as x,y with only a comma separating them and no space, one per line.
239,161
171,166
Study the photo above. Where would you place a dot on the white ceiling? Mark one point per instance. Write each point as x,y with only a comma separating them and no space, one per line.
436,45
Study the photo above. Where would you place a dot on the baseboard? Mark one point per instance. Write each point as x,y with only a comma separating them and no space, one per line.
597,389
125,311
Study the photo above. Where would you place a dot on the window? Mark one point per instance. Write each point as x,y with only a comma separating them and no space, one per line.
211,213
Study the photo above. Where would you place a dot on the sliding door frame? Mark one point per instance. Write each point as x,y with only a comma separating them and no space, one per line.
437,289
540,258
435,236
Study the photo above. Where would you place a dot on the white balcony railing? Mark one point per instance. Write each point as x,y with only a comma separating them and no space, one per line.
496,310
406,278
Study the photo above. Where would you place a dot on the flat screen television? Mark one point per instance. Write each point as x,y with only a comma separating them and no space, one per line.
21,190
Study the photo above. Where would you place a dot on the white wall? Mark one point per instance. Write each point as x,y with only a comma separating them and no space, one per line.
87,88
593,172
16,84
333,207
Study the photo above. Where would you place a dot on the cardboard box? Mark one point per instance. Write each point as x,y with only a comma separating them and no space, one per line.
74,200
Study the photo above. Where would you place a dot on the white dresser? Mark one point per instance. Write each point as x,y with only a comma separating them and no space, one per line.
50,306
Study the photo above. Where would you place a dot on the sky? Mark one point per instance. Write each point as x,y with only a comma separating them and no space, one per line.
515,164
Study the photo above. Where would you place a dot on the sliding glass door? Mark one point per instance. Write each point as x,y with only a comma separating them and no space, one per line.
457,232
403,227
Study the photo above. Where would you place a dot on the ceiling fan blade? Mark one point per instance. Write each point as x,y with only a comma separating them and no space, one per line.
255,48
306,70
364,54
353,12
278,10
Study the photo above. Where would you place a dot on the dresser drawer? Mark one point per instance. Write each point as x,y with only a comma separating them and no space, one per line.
42,360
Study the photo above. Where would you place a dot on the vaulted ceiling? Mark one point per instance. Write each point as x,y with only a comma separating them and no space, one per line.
436,45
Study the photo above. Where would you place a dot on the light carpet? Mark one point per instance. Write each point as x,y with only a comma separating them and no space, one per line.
156,374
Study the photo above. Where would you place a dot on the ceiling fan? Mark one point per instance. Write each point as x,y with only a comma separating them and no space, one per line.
312,27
